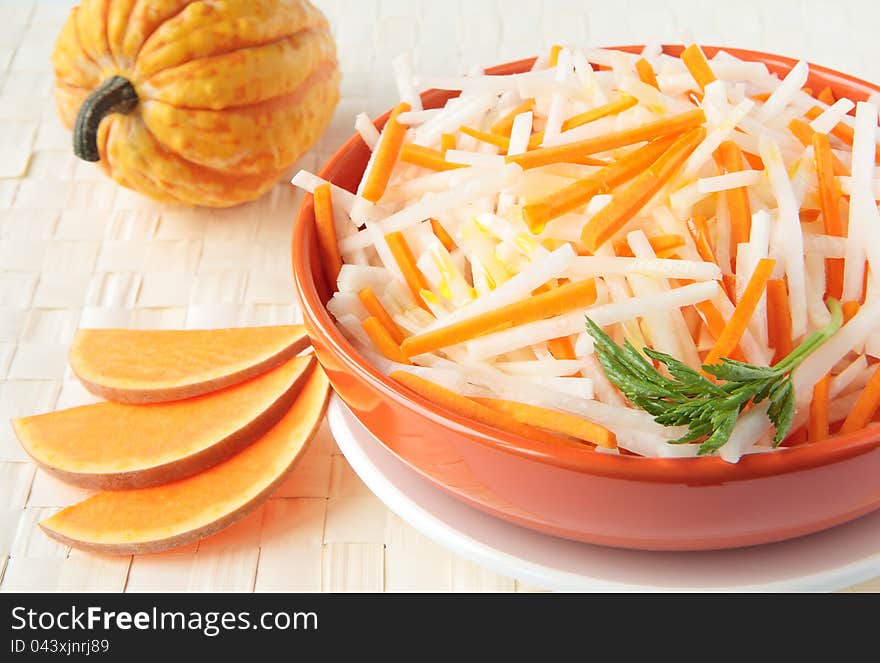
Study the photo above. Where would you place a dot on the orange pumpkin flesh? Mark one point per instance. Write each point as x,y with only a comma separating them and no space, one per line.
153,366
121,446
162,517
227,93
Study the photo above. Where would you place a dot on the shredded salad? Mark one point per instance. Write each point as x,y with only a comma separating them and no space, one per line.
702,216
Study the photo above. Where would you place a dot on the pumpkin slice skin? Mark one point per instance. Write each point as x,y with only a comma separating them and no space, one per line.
118,446
155,366
163,517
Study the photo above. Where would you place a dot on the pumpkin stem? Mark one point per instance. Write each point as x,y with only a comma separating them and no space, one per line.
114,95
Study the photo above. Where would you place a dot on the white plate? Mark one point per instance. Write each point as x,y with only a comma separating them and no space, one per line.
837,558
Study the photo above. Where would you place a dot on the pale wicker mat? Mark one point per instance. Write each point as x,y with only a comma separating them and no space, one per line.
76,250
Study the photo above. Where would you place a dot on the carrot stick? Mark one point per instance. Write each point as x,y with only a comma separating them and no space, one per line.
614,107
554,54
646,73
713,318
407,263
762,97
561,348
545,305
331,262
619,105
663,245
441,234
863,411
552,420
374,308
386,154
447,142
738,322
753,160
850,308
426,158
627,202
841,131
572,151
819,419
826,96
465,407
503,126
730,157
699,230
804,133
729,282
829,200
696,63
501,142
383,341
778,319
579,193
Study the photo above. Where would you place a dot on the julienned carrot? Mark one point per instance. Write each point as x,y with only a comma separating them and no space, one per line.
695,61
613,107
503,126
819,419
501,142
829,200
407,263
465,407
447,142
627,202
375,309
738,322
699,230
804,133
571,152
383,341
331,262
729,283
826,96
761,96
730,158
755,162
441,234
386,154
712,317
552,420
663,245
561,348
426,158
841,131
579,193
863,411
850,308
778,319
565,298
554,54
646,73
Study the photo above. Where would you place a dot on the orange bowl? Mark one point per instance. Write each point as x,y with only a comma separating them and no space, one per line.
626,501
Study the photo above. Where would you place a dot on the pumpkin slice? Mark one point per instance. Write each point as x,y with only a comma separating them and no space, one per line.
153,366
119,446
153,519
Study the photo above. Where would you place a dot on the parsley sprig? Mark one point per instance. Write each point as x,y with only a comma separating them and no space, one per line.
687,397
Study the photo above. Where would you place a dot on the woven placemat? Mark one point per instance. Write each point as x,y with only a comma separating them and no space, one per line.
76,250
